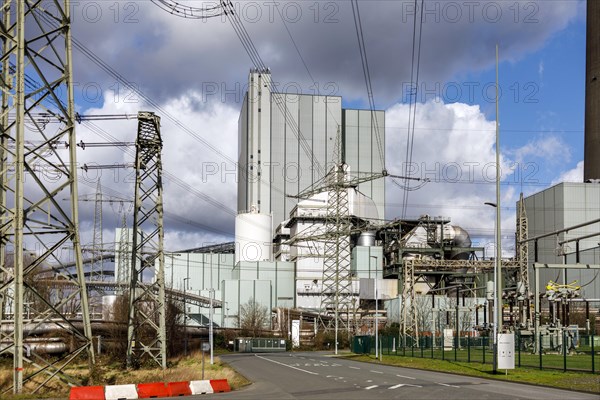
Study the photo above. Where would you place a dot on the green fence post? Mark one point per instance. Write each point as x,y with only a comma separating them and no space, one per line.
519,347
483,345
443,347
432,343
593,365
540,350
469,349
564,337
421,345
456,346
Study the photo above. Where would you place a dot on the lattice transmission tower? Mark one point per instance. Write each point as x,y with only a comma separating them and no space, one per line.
337,292
146,331
38,168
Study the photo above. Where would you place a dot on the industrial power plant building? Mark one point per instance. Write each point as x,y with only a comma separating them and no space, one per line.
286,145
559,207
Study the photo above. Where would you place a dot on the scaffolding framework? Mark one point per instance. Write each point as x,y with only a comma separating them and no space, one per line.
38,227
146,330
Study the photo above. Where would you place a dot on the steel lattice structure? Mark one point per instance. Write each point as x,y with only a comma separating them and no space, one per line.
124,253
38,164
146,330
408,310
98,242
337,278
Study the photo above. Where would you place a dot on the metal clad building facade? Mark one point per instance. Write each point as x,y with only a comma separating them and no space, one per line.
364,140
286,143
559,207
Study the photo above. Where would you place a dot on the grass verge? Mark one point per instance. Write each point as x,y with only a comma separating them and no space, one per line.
113,373
581,381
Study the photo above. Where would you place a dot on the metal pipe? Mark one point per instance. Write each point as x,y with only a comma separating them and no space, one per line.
535,238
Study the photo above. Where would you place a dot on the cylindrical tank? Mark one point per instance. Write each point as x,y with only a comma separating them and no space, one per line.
366,239
253,237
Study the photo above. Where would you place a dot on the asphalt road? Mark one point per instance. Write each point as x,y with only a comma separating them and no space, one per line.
321,376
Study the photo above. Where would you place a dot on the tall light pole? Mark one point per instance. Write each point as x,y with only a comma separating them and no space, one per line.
498,272
376,310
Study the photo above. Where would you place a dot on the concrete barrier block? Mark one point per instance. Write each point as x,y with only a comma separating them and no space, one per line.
201,387
153,390
87,393
120,392
179,389
220,385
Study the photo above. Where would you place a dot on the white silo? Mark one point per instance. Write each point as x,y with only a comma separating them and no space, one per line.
253,237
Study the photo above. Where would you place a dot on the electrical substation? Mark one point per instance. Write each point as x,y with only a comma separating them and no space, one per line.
317,251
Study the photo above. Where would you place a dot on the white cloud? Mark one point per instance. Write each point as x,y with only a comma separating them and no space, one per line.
572,175
545,147
454,146
197,71
167,56
190,170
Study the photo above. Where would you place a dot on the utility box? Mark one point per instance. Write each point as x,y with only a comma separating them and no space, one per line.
260,345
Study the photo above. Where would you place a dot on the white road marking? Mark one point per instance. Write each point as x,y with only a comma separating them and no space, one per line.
376,372
286,365
403,384
371,387
369,381
407,377
354,367
445,384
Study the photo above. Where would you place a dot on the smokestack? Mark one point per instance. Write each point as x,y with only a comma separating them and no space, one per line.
591,157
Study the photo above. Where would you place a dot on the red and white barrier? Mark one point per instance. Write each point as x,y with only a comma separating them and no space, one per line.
149,390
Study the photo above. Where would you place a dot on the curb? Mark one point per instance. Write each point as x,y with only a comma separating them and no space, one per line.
149,390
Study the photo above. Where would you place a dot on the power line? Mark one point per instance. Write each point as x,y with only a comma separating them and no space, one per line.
367,76
411,134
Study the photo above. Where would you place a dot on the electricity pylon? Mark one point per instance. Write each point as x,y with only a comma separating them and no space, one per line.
97,269
523,254
146,330
38,167
337,292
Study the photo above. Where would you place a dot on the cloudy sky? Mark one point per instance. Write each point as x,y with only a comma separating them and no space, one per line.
193,73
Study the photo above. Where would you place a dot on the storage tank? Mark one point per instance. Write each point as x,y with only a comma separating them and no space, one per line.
366,239
253,237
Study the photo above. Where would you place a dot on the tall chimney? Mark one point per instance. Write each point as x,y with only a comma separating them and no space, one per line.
591,157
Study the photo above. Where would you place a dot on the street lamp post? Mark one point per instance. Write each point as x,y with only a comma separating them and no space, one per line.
498,258
497,295
376,311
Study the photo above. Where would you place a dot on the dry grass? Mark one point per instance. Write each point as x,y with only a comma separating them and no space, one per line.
111,373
